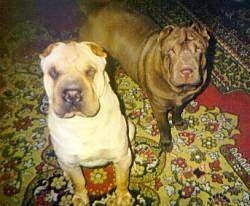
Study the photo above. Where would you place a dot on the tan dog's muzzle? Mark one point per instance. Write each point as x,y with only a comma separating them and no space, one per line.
74,96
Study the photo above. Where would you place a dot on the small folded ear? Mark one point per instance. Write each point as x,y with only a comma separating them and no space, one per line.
48,50
200,29
96,49
166,31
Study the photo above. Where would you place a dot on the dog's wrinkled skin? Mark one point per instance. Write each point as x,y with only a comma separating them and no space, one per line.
169,63
85,121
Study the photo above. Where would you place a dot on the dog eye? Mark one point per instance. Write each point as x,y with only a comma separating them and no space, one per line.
53,73
90,72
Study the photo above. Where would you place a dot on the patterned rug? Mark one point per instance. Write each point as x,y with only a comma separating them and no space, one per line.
209,164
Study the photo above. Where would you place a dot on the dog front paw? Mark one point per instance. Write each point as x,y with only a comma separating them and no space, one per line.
80,200
123,199
181,124
166,145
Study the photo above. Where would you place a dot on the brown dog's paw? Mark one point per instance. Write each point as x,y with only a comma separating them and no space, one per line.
181,125
80,200
166,145
123,199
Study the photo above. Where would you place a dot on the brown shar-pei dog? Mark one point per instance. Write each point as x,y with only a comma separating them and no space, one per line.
168,64
86,125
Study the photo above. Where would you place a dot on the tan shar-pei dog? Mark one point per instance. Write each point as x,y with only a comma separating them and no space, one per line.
85,122
168,64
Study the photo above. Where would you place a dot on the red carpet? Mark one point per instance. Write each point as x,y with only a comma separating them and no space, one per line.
237,103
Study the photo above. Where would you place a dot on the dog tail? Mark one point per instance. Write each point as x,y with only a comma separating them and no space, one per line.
87,6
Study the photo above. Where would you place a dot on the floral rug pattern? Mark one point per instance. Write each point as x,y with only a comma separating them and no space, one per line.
204,168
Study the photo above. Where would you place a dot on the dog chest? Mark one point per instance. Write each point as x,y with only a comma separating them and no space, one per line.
89,143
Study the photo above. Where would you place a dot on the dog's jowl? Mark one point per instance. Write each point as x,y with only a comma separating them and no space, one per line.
85,122
168,64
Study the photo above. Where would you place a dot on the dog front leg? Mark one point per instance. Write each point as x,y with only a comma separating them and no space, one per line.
122,168
75,174
161,117
178,121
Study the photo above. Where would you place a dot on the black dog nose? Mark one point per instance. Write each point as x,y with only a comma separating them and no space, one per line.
72,96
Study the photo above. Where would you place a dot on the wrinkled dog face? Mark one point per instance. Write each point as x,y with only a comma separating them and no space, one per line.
183,54
73,78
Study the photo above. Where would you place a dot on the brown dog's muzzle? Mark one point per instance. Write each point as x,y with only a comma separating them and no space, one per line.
186,69
185,56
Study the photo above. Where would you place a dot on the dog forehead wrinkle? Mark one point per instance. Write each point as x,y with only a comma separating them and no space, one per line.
82,65
70,54
72,58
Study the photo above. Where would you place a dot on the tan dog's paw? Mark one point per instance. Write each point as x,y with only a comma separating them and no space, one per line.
123,199
80,200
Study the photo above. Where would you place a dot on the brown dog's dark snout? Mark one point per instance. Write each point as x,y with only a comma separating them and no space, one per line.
72,96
